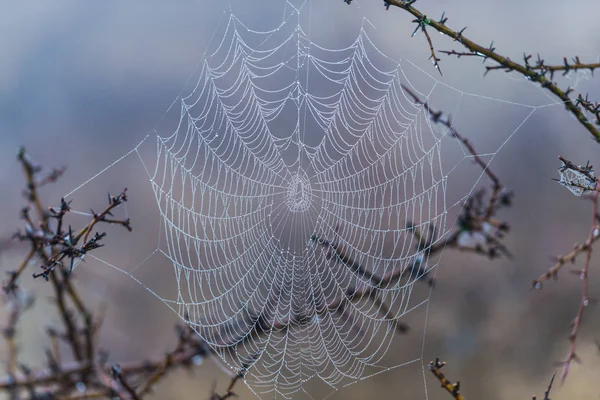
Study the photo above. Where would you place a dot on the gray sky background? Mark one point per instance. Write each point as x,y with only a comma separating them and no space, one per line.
81,83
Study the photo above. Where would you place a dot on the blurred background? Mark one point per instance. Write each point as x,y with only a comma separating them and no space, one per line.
83,83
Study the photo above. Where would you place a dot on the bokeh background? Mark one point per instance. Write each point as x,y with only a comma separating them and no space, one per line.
82,83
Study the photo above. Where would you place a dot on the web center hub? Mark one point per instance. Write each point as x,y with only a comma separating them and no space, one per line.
299,193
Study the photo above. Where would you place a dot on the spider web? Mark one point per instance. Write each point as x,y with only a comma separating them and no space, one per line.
289,193
282,147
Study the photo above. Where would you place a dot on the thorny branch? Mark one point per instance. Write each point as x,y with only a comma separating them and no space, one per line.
452,388
547,392
538,72
580,180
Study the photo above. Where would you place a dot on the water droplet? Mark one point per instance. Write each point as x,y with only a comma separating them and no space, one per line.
586,302
80,386
538,285
198,359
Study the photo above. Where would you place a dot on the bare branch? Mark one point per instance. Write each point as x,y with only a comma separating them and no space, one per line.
539,73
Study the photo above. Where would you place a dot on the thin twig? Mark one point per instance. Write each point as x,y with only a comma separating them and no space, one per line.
452,388
118,374
547,392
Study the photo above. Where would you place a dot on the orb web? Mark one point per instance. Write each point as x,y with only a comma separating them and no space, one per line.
281,170
289,192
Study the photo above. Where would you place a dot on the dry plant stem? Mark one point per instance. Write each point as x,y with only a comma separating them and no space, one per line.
74,369
564,260
9,335
234,380
43,217
433,57
51,246
128,389
69,323
59,255
30,170
589,106
572,356
585,182
55,346
168,362
111,382
157,376
452,388
62,284
230,393
113,202
24,264
547,392
504,62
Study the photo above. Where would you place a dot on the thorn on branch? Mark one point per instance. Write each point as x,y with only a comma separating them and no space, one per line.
589,106
459,36
422,24
443,18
